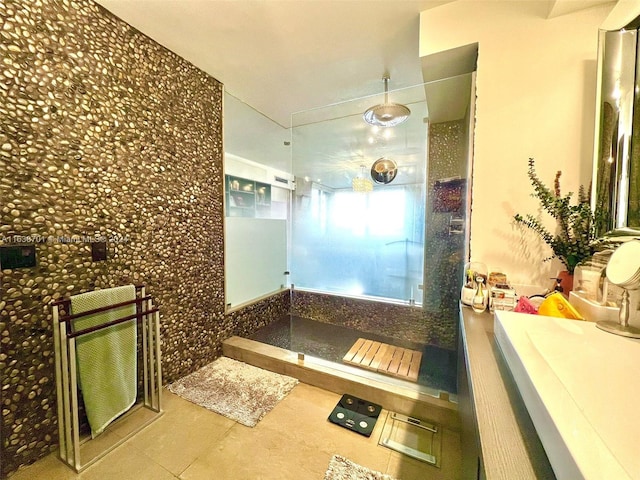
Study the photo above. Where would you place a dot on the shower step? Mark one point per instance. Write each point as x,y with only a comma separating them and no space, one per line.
384,358
393,394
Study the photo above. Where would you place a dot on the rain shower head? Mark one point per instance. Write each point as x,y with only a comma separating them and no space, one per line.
386,114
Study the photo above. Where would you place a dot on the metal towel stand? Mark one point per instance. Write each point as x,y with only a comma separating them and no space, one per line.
64,338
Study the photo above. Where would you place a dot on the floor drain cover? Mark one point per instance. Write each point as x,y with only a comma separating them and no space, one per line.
356,414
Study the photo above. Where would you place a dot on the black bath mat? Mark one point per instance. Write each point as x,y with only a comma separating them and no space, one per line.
356,414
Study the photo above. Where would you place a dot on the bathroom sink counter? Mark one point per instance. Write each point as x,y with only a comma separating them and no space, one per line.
581,387
509,447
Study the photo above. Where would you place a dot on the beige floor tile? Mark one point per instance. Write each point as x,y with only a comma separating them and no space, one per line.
123,463
304,413
50,468
293,441
127,424
126,463
258,454
182,434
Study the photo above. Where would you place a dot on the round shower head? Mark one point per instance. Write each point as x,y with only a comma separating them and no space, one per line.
386,114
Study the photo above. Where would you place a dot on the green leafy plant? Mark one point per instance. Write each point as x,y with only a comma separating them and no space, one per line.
576,238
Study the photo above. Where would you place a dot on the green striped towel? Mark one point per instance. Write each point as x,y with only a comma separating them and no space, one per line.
106,358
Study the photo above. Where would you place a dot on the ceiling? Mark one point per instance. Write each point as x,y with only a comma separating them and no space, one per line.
286,56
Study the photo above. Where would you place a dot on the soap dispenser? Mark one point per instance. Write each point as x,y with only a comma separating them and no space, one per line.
479,303
472,271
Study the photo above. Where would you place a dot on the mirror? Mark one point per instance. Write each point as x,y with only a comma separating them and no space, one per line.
617,152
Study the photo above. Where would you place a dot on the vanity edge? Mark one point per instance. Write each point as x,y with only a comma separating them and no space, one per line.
502,434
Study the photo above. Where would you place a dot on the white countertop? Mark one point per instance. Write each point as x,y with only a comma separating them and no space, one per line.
581,387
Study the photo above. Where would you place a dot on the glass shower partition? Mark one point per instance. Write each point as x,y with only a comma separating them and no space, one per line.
383,261
350,235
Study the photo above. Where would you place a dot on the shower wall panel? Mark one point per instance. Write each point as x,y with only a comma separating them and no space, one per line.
435,323
392,320
446,218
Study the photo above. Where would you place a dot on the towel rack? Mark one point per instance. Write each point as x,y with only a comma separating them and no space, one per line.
147,315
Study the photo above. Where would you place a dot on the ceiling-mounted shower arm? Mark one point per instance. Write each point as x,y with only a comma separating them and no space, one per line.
386,114
386,79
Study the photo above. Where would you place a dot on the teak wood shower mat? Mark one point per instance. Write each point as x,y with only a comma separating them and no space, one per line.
384,358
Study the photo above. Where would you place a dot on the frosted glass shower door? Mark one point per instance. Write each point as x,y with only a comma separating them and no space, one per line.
356,243
359,243
255,258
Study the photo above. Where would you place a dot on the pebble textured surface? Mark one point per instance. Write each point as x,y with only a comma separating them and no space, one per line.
388,319
445,253
104,135
247,320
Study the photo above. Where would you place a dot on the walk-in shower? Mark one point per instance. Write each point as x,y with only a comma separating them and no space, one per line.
327,344
380,261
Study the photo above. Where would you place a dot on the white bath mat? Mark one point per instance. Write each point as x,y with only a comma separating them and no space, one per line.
238,391
341,468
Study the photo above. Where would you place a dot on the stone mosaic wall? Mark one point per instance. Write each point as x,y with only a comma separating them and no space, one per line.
104,134
392,320
445,253
250,318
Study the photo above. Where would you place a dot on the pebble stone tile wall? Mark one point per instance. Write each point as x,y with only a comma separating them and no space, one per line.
247,320
388,319
445,253
105,135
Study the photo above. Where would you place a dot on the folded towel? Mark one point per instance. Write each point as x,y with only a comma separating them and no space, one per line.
106,358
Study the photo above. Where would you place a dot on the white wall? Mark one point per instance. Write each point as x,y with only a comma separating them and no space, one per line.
536,84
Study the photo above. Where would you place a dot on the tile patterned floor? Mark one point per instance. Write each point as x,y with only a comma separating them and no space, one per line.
294,441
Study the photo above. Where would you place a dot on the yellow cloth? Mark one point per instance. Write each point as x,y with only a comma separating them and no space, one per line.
106,358
555,305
